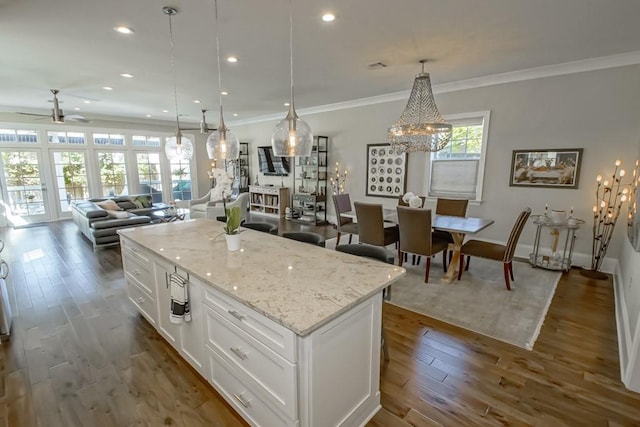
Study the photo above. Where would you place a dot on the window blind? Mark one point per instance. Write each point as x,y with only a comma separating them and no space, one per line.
454,178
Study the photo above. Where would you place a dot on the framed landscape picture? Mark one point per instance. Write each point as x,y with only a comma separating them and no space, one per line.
386,171
553,168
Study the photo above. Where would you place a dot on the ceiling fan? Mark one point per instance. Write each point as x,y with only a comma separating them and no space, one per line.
204,127
57,115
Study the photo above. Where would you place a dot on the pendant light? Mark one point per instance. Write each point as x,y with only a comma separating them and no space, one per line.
420,127
222,144
177,148
292,137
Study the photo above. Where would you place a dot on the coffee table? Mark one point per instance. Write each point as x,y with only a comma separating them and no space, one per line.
169,215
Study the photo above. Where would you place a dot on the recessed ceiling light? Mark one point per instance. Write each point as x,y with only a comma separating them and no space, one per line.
286,104
107,88
196,101
328,17
235,114
126,75
87,101
224,92
124,30
77,108
148,115
232,59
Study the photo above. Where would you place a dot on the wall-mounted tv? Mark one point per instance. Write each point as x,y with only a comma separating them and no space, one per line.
270,164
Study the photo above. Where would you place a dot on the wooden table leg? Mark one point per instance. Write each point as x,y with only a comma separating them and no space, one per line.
452,271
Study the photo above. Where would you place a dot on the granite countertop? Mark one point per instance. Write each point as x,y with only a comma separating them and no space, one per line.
298,285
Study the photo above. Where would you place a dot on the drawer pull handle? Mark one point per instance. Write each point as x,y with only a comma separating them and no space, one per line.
238,353
139,300
236,314
136,272
243,402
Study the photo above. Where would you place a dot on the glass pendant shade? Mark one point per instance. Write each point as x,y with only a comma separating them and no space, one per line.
292,137
223,144
178,148
420,127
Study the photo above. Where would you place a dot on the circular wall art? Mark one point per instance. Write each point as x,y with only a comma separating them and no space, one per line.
388,166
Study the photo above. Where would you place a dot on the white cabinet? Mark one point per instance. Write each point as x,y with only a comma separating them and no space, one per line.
170,331
268,201
138,273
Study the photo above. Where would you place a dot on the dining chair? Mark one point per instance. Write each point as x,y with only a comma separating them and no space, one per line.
265,227
379,254
495,251
451,207
217,211
305,236
371,229
342,203
416,237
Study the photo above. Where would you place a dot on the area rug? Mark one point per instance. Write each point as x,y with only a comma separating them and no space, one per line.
480,301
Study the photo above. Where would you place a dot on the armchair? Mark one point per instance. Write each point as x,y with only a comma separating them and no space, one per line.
216,209
198,207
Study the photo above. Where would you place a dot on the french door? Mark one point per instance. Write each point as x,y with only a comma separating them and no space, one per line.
70,173
24,192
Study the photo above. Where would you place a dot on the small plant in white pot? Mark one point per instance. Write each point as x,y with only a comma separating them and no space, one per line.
232,228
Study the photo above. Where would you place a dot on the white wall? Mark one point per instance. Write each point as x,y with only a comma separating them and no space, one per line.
596,110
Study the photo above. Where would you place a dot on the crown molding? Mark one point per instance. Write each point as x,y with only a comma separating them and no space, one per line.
600,63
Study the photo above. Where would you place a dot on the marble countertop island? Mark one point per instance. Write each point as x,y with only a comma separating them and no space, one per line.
298,285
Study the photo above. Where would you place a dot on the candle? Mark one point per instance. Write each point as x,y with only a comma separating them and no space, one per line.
599,178
606,183
618,162
622,172
595,208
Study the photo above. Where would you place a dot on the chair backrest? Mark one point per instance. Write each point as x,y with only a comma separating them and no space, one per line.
414,225
342,203
453,207
305,236
370,223
367,251
262,226
510,248
243,202
401,202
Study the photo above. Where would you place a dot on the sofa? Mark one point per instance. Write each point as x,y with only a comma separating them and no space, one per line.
99,219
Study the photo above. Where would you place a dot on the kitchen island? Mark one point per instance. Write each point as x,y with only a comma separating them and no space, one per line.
289,333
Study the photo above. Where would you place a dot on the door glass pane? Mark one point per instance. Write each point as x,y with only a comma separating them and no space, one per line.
71,178
149,177
22,175
113,173
180,180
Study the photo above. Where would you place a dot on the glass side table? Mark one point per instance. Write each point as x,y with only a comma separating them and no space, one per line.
556,255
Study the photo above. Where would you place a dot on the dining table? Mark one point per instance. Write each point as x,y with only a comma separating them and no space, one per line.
458,226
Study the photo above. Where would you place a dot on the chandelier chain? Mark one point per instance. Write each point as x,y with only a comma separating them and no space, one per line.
218,57
291,46
173,70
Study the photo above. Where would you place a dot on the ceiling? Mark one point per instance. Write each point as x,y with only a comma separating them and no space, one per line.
70,45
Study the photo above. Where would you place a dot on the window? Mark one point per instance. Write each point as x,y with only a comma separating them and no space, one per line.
11,135
71,177
457,171
108,139
146,141
113,173
149,177
55,137
180,180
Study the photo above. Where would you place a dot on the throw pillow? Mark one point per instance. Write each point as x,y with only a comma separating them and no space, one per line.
118,214
109,205
146,201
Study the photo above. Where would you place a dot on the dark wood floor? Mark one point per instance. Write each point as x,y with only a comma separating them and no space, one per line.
80,355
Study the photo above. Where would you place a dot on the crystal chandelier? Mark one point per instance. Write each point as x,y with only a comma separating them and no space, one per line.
222,144
177,148
292,137
420,127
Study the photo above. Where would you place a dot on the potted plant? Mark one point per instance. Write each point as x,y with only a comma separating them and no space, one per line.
231,229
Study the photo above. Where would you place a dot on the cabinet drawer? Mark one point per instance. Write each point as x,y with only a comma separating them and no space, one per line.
144,302
231,383
133,251
268,371
276,337
140,273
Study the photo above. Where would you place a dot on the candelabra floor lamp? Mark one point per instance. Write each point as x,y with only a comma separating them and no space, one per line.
610,196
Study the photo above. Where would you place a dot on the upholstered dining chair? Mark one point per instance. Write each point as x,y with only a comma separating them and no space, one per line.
451,207
305,236
371,229
342,203
265,227
416,237
495,251
198,207
242,201
379,254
